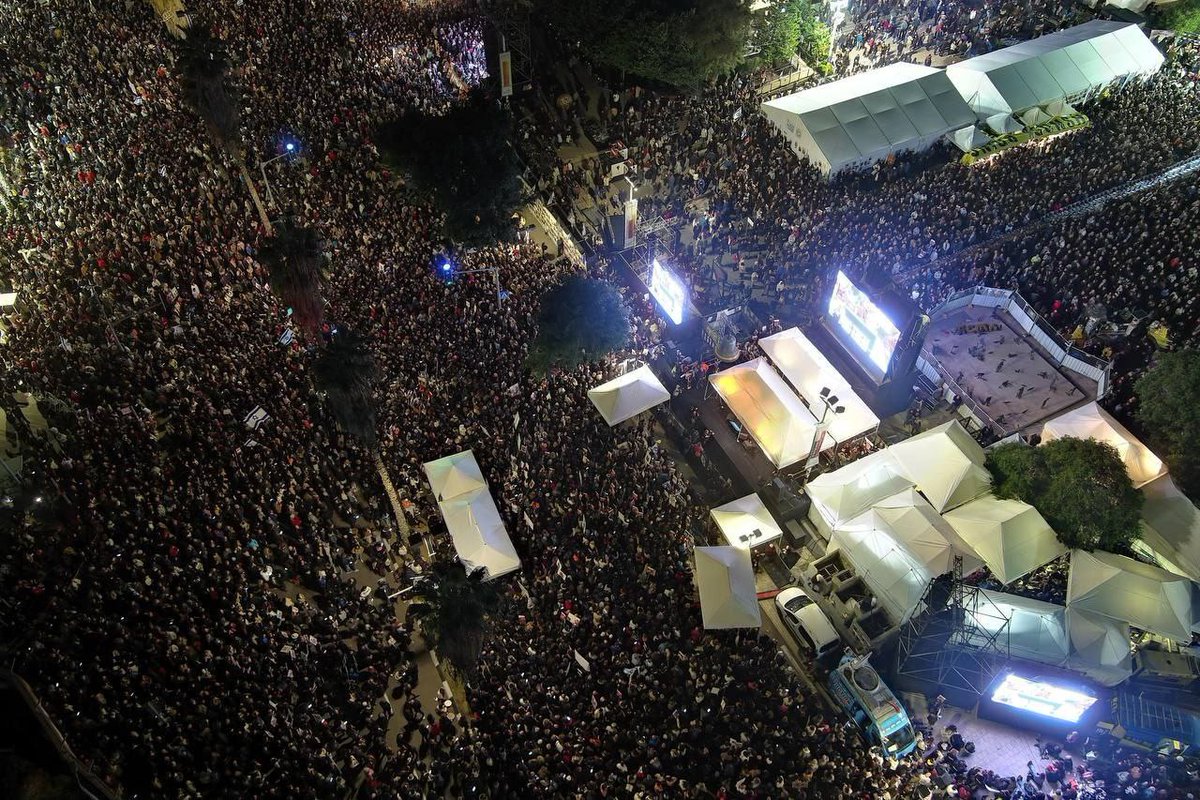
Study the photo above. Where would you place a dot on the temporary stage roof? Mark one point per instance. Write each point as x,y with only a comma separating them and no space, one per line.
1171,526
478,533
746,522
945,463
1037,630
807,369
845,493
454,475
628,395
1010,536
1093,422
725,580
781,425
1097,641
1058,66
1125,590
863,118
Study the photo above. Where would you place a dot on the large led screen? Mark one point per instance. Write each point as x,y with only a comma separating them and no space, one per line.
1043,699
867,328
668,290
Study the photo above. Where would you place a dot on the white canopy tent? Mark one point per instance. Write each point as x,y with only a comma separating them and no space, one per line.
845,493
1171,527
746,522
1010,536
968,138
628,395
1090,421
1064,65
480,539
809,371
1099,646
1125,590
858,120
1036,630
454,475
725,580
776,419
912,521
945,463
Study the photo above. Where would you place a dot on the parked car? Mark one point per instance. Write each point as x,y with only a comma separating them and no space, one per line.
808,623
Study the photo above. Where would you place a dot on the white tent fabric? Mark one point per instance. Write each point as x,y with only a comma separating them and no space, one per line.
845,493
968,138
863,118
1098,640
1036,630
1003,123
1090,421
1058,66
454,475
1060,108
1120,588
1171,526
912,522
945,463
1011,537
781,425
725,580
746,522
1034,116
809,371
628,395
480,539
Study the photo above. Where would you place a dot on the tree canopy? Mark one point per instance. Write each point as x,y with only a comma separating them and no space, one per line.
294,258
204,77
464,158
1182,16
679,42
453,608
345,371
582,319
1080,486
1167,407
791,27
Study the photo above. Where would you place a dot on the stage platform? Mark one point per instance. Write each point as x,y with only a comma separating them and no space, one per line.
752,469
1007,378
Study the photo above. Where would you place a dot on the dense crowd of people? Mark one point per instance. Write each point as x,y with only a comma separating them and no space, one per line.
182,593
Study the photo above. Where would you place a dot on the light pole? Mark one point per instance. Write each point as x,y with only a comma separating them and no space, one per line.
449,271
290,148
829,402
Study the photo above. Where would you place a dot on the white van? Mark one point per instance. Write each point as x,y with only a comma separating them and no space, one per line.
807,622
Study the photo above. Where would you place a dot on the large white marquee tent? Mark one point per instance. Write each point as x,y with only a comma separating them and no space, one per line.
746,522
843,494
1066,65
472,519
1171,526
628,395
1125,590
858,120
1090,421
807,369
725,579
1010,536
782,426
945,463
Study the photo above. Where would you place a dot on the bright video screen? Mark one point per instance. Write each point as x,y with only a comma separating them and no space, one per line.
668,290
863,323
1042,698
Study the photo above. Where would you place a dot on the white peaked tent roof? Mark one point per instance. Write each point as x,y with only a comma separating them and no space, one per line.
725,580
781,425
478,533
746,522
1011,537
909,519
1171,526
896,578
842,494
863,118
1003,122
1120,588
1090,421
454,475
628,395
1097,640
1056,66
968,138
945,463
1037,630
807,369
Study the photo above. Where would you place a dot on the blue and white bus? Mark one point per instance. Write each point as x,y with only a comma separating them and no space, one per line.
864,696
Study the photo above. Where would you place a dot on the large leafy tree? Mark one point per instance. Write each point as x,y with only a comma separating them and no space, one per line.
204,76
779,31
453,608
581,319
345,371
1167,406
464,158
294,258
679,42
1079,485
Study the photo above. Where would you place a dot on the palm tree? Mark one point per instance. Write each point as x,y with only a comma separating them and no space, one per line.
453,607
294,258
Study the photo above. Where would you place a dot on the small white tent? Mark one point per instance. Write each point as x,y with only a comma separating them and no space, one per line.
1090,421
843,494
454,475
1011,537
478,533
746,522
1097,641
1035,630
725,580
776,419
945,463
895,577
1171,526
1129,591
628,395
911,521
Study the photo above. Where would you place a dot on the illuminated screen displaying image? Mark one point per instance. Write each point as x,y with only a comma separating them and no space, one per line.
668,291
863,323
1042,698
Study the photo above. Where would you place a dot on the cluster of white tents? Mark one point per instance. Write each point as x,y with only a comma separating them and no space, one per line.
471,516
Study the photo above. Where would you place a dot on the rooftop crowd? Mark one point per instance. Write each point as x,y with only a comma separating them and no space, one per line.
187,612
